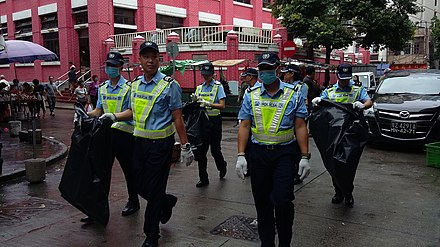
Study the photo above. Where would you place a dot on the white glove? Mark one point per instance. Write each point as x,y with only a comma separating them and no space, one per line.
304,168
203,103
241,166
110,116
316,101
194,97
358,105
186,155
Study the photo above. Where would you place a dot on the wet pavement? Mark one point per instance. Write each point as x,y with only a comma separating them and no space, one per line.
397,203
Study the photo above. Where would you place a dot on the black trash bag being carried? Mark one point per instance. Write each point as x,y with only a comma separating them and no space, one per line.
340,133
86,178
197,125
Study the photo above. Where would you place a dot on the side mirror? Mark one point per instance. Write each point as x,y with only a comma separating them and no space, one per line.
371,90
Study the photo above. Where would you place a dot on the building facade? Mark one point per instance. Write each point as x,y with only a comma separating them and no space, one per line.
82,31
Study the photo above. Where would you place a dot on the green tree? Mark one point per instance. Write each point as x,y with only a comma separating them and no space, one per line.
335,24
435,29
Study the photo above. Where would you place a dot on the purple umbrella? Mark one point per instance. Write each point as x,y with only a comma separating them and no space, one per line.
20,51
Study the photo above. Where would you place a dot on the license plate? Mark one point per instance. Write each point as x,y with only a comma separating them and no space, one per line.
403,127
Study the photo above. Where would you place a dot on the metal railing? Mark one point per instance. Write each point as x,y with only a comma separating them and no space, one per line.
196,35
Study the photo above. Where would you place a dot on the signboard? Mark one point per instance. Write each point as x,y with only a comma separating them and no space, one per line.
172,49
289,48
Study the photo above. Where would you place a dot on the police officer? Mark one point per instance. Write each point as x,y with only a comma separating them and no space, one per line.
114,97
156,109
292,75
212,96
275,114
344,91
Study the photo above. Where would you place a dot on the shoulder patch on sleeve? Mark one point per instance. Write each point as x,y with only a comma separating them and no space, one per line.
168,79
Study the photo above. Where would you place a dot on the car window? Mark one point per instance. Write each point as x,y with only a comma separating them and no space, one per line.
364,80
417,84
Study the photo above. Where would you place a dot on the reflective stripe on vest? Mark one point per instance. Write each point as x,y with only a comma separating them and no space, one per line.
268,114
142,103
344,97
210,97
112,103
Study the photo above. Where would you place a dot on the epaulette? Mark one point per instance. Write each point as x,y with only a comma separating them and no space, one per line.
330,86
217,82
102,84
128,83
254,87
288,85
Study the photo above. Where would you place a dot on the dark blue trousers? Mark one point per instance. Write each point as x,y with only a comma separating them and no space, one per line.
273,171
151,166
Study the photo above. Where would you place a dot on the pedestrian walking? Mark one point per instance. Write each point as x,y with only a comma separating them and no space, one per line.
113,97
40,94
81,94
93,91
155,104
51,88
292,75
314,89
344,91
211,95
275,113
72,77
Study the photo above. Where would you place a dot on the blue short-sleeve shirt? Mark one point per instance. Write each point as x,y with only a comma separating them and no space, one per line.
220,93
296,107
115,90
362,96
169,100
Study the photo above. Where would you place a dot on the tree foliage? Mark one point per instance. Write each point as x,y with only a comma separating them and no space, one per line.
335,24
435,28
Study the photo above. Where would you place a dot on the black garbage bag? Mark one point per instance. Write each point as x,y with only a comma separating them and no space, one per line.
197,125
86,178
340,133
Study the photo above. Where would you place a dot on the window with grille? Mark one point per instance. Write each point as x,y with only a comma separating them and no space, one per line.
49,21
4,30
50,41
165,21
124,16
23,26
80,14
199,57
26,38
243,1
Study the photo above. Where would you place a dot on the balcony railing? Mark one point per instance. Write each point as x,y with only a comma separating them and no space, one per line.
196,35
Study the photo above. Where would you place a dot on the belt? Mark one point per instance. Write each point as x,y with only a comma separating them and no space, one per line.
143,139
273,147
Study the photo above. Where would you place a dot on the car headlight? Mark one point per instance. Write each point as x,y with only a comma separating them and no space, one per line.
370,111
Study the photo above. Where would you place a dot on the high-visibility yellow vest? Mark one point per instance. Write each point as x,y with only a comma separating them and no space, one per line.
344,97
112,103
268,114
141,104
210,97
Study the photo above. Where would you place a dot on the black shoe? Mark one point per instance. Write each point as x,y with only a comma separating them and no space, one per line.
349,201
337,199
87,219
202,184
297,180
130,209
150,243
222,172
167,211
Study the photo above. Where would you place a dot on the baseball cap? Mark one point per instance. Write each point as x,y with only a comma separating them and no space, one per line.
344,71
250,71
148,45
207,69
291,68
115,58
269,58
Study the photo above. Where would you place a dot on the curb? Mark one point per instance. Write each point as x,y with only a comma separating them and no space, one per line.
49,161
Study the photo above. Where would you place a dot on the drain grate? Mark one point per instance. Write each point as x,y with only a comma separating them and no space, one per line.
24,210
239,227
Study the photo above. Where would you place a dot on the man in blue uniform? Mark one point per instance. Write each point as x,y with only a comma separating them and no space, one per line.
156,108
275,114
344,91
212,96
113,97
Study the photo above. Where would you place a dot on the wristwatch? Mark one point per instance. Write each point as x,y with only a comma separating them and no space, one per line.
306,156
186,146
